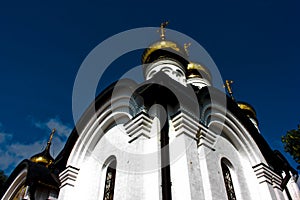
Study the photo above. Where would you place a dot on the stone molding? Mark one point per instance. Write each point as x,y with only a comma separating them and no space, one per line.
186,124
68,176
139,126
266,175
206,137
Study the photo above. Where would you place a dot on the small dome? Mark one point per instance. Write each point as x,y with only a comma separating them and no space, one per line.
196,70
164,49
43,158
248,110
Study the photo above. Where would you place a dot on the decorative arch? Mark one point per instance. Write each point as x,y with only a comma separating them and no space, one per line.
16,185
231,129
116,109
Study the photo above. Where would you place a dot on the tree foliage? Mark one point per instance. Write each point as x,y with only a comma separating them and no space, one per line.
292,144
3,178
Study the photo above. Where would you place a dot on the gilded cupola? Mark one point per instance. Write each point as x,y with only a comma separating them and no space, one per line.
197,74
164,52
44,157
246,108
196,70
164,49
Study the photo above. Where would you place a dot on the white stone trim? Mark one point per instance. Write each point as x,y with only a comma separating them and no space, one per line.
111,111
139,126
224,122
265,174
198,82
18,182
170,67
68,176
185,124
206,138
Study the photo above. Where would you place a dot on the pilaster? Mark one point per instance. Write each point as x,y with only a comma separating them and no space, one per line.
67,179
269,182
144,174
185,166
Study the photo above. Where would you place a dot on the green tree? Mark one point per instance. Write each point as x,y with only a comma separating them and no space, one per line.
3,178
292,144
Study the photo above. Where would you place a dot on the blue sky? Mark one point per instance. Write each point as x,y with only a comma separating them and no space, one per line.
255,43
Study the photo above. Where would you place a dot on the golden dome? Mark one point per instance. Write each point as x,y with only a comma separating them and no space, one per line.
44,157
164,49
196,70
248,110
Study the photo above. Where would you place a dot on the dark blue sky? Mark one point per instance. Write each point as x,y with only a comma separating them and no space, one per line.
255,43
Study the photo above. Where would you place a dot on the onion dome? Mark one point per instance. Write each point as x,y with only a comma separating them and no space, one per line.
44,157
196,70
164,49
248,110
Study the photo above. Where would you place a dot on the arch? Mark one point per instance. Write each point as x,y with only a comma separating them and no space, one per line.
152,73
227,163
16,185
112,112
166,69
230,128
170,67
180,72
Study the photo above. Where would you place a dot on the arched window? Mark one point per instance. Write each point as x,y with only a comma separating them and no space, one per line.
110,181
228,181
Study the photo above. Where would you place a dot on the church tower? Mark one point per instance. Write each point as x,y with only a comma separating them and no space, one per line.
170,137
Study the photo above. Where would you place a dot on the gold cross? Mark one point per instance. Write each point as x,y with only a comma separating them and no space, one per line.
162,30
227,85
50,138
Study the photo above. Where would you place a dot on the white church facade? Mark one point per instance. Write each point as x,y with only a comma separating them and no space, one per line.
174,136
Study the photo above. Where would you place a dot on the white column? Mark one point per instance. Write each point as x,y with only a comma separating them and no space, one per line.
185,166
206,153
142,179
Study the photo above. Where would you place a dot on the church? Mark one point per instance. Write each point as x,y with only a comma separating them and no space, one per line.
174,136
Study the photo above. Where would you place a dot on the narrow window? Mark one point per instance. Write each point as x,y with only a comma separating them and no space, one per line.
110,181
228,182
